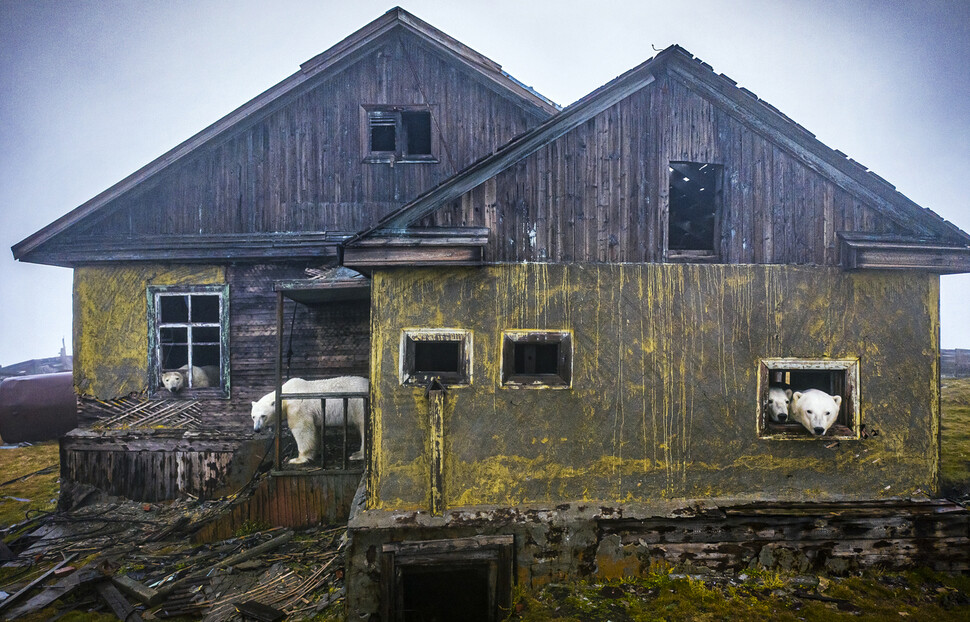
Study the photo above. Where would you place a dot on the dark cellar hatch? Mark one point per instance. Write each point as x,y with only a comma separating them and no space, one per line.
467,579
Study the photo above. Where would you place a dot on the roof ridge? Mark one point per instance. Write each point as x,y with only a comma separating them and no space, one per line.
264,102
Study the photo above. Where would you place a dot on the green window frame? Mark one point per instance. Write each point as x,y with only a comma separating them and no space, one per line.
189,326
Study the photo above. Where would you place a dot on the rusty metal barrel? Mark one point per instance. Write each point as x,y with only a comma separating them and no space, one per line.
37,408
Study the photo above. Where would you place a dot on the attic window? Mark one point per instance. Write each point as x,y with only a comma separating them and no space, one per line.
537,359
801,378
444,354
398,134
187,331
694,202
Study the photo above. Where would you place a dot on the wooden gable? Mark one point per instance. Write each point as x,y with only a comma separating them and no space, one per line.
592,185
288,174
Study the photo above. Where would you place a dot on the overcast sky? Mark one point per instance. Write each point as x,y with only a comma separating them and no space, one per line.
90,91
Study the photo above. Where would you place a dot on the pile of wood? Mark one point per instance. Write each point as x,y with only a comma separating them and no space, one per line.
139,562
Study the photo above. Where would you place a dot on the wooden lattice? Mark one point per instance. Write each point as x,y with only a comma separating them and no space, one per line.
137,411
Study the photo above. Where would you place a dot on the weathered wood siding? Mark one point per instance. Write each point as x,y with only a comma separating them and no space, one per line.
291,500
599,193
664,400
326,341
157,465
300,168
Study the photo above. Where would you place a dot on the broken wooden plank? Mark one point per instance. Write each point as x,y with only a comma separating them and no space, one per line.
55,592
265,547
19,594
143,593
118,603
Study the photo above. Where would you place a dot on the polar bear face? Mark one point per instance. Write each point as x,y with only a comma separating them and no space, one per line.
816,410
173,381
263,412
776,406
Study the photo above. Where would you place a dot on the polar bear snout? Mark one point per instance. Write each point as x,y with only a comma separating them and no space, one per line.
262,411
819,431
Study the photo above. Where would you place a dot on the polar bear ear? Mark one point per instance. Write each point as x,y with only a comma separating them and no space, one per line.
788,393
838,400
795,397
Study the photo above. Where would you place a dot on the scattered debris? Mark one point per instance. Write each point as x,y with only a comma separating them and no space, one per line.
145,565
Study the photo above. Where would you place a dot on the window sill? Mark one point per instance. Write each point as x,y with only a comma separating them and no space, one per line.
544,381
797,432
191,394
393,159
693,257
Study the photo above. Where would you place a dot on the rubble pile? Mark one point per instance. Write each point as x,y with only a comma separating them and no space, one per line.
139,561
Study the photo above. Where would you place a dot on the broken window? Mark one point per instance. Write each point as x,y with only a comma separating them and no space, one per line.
458,579
813,388
399,133
435,353
692,218
537,359
187,338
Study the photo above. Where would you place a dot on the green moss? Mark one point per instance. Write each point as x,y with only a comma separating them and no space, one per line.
955,457
37,493
918,595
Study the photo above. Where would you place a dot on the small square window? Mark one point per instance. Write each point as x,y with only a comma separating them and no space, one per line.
399,134
831,385
188,327
538,359
435,353
692,216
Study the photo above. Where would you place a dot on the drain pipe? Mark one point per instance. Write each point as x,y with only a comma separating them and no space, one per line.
435,392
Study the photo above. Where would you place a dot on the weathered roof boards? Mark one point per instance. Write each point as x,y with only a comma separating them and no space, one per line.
300,171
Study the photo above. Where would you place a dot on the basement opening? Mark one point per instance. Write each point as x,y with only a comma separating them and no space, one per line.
837,378
467,579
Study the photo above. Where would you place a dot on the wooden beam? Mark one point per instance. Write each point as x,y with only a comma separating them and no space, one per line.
904,255
370,257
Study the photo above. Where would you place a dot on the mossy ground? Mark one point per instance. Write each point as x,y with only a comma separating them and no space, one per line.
37,493
917,595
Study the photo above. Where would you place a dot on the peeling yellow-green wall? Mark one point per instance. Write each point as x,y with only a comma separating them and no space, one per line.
664,397
111,322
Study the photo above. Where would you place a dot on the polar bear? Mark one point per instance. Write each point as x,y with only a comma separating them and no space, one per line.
776,406
305,417
205,376
816,410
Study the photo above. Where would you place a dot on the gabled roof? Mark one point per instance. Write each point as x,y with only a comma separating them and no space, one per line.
309,75
721,90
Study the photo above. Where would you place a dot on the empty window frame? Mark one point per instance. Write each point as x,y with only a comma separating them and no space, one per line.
189,330
398,134
538,359
442,353
694,201
837,377
459,579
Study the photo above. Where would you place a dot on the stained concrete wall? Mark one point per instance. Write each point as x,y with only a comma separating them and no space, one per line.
663,403
111,322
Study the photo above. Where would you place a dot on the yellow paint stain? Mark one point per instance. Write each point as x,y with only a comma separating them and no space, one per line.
664,381
111,323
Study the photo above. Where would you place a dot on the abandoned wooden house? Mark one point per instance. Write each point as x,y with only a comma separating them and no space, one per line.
570,336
